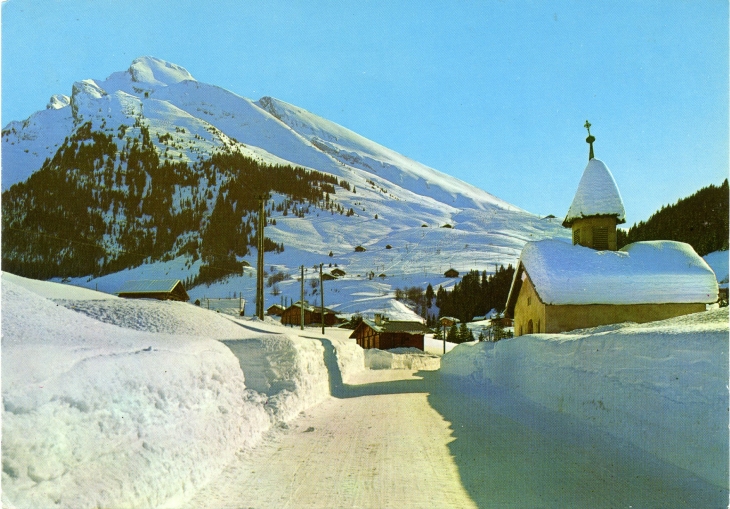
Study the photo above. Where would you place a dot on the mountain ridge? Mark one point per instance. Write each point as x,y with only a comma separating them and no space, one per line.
154,152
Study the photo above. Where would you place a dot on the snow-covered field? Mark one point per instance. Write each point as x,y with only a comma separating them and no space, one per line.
662,386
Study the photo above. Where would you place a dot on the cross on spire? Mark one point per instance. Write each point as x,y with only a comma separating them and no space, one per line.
590,140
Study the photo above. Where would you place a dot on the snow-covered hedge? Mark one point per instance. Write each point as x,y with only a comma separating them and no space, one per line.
662,386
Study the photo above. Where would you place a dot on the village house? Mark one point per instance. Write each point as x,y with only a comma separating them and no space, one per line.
384,334
560,287
312,315
160,289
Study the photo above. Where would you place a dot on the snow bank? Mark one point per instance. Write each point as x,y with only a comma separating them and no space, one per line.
350,357
139,403
401,358
662,386
290,372
97,415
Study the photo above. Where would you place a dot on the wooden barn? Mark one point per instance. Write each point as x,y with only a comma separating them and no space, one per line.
385,334
337,272
451,273
312,315
560,287
160,289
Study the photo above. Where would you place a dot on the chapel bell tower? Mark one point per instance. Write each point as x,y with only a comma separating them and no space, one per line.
597,207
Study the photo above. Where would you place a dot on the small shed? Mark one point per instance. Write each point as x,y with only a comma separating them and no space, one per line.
161,289
384,334
337,272
328,276
451,273
275,310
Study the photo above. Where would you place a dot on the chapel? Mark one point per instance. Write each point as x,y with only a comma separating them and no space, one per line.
559,286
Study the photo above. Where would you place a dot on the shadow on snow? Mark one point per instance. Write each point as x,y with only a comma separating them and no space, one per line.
511,452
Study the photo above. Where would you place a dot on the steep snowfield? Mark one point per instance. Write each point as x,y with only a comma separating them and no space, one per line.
661,386
109,402
26,144
352,149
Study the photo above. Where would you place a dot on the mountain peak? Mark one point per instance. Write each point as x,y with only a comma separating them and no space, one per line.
58,101
158,72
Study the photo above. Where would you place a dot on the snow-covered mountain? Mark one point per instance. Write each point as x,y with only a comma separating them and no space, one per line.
127,168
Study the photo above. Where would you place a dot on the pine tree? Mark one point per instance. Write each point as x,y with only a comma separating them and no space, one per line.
464,333
429,294
439,334
497,328
453,335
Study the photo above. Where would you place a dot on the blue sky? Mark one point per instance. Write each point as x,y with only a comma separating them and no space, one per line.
493,92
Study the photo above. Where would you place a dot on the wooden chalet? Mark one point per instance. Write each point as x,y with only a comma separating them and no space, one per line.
503,321
451,273
337,272
160,289
448,321
312,315
385,334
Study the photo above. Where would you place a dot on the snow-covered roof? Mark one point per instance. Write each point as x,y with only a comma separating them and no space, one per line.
149,286
653,272
597,195
408,327
309,307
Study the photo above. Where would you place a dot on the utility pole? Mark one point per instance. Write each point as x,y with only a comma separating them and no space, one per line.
321,292
260,262
301,301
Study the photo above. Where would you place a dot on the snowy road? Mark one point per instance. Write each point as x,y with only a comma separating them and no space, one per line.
373,450
395,439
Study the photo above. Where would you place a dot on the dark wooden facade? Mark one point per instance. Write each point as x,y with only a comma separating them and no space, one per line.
312,315
275,310
389,335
